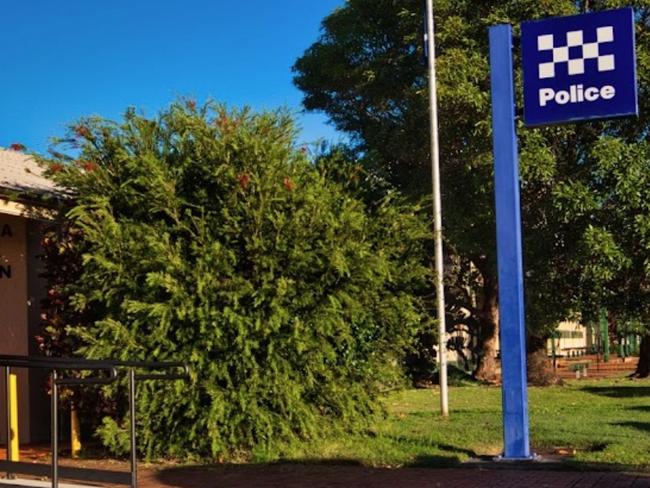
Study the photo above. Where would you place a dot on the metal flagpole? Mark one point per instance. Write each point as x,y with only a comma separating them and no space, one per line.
437,213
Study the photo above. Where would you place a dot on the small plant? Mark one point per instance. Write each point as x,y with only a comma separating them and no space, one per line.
113,436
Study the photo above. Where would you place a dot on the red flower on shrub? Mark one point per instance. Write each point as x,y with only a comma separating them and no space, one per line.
191,104
82,131
56,167
288,184
244,180
223,122
16,146
88,166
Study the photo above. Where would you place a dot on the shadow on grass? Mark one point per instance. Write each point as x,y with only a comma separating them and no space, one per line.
401,439
640,408
434,462
643,426
417,462
631,391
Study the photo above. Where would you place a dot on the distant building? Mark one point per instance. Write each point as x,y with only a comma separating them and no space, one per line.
571,339
23,213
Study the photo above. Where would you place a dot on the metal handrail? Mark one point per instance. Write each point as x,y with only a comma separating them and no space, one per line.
61,364
74,364
54,365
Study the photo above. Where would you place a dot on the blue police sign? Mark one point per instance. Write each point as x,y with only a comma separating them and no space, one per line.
579,67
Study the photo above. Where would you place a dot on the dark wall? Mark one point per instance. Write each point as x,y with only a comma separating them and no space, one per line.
39,399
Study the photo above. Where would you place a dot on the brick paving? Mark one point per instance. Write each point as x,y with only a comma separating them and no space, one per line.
597,369
346,476
323,475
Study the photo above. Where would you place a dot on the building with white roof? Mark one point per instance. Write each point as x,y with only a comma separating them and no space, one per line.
25,198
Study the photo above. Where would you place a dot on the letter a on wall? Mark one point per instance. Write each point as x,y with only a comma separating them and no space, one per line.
579,67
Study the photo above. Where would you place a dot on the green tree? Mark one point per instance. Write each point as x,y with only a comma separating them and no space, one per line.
610,207
365,72
208,236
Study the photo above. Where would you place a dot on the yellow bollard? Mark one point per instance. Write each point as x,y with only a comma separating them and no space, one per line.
75,437
13,405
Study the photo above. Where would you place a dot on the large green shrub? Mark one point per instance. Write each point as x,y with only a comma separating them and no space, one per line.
210,237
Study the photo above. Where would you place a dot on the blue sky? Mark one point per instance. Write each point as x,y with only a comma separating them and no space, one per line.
70,58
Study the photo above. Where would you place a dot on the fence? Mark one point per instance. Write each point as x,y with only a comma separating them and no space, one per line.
106,372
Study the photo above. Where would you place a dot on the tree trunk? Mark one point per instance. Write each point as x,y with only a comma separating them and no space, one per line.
643,368
486,367
540,368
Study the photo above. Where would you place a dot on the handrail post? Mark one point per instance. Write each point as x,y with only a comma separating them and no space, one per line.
55,430
134,457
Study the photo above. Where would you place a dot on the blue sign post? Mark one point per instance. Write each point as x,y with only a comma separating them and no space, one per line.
509,256
575,68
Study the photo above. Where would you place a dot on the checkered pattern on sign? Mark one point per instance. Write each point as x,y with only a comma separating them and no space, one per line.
574,39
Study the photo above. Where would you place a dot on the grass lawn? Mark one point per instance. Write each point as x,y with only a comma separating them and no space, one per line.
604,422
